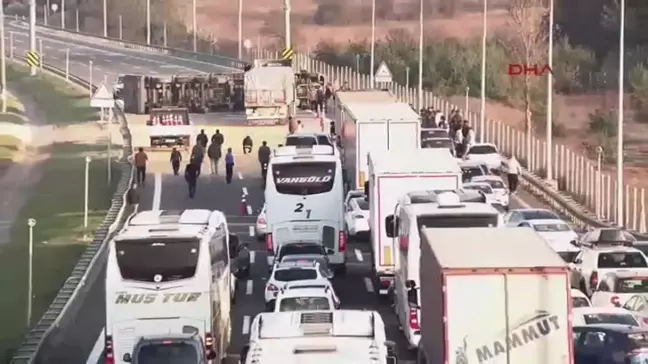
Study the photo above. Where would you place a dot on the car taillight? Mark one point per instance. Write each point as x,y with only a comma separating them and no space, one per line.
272,288
614,300
268,241
342,237
109,355
413,319
593,281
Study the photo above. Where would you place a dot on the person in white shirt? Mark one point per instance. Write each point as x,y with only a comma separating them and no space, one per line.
458,142
514,169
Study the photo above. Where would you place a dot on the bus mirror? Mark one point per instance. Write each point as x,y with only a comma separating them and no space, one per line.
127,358
391,226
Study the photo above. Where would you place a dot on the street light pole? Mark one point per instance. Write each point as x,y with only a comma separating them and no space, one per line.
548,151
148,22
62,14
32,33
482,109
287,23
619,192
86,201
420,59
31,223
105,18
240,29
3,61
373,44
195,27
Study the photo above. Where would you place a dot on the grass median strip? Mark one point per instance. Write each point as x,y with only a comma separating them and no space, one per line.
56,202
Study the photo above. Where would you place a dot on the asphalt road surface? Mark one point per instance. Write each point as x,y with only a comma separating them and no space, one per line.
165,191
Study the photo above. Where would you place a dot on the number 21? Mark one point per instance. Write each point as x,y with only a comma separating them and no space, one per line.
300,208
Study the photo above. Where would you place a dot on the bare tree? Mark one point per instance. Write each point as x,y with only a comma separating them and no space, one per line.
528,44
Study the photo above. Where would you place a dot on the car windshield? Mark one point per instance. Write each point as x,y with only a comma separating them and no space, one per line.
171,353
483,188
633,285
580,302
306,258
495,184
467,173
304,304
622,259
301,141
323,140
294,274
157,260
610,318
302,249
568,257
551,228
482,149
362,204
539,215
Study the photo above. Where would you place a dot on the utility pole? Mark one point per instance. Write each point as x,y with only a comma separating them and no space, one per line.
287,22
32,33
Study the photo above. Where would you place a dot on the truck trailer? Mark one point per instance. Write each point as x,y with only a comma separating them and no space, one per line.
269,95
492,296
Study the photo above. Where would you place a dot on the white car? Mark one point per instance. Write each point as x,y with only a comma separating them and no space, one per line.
305,296
284,273
582,316
515,217
261,225
638,305
485,153
471,169
482,187
558,234
579,299
501,193
356,216
615,289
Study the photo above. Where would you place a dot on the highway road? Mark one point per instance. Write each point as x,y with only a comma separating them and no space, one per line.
165,191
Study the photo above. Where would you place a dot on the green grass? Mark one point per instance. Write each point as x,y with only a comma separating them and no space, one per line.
63,104
56,203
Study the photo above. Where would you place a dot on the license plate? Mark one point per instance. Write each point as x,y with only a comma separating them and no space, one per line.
169,140
302,229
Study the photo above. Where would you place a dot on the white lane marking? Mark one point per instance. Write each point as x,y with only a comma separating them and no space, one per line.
245,191
358,255
252,257
97,349
251,230
520,201
246,325
240,176
368,285
249,287
249,210
157,192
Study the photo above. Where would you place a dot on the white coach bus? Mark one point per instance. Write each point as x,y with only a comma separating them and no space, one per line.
169,273
305,200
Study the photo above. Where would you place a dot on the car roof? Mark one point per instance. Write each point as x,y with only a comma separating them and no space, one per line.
577,293
623,329
297,265
483,144
544,221
304,292
627,274
477,183
487,177
598,309
470,163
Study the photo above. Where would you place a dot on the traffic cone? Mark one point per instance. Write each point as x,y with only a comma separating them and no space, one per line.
243,209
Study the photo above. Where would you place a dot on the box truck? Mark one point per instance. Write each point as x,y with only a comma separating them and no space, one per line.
492,296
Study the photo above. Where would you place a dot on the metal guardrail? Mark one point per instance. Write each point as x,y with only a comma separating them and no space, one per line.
560,201
181,53
76,282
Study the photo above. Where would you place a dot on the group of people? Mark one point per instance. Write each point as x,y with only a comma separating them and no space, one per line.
459,129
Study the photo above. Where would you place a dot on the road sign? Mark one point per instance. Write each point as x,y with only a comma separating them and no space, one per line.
383,74
247,44
33,59
287,53
102,98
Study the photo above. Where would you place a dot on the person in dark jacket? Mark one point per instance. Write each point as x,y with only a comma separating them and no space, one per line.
247,145
175,160
218,138
197,156
214,153
229,165
133,195
191,176
201,139
264,155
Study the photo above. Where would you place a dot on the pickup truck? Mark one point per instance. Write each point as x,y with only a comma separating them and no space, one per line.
170,127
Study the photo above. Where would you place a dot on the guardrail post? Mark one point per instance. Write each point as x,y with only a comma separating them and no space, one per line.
77,20
90,84
67,64
121,28
40,52
11,45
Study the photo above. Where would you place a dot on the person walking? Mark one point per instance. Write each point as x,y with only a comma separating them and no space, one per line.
141,159
191,176
218,138
133,196
247,144
201,139
292,125
264,157
214,153
513,169
300,126
197,156
229,165
175,160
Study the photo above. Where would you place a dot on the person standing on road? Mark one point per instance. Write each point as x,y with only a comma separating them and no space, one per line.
248,144
191,176
141,159
218,138
133,197
292,126
197,156
229,165
175,159
513,169
201,139
264,157
214,153
300,127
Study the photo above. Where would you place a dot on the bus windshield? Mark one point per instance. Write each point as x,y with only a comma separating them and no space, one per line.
457,221
157,260
303,178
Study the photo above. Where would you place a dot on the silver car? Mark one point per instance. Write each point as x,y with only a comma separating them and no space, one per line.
261,225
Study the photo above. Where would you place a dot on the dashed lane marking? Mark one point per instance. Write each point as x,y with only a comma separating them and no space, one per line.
251,230
249,287
97,349
368,284
245,191
358,255
240,176
157,191
249,210
252,257
246,325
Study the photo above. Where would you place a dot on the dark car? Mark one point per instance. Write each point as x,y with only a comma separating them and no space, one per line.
179,348
301,248
610,344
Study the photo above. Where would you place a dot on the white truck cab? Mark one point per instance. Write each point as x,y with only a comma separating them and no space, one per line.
342,336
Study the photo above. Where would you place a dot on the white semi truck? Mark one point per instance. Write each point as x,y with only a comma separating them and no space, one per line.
392,174
492,296
367,121
269,94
